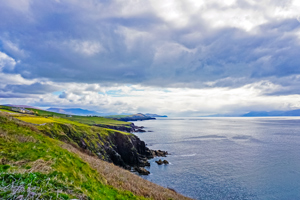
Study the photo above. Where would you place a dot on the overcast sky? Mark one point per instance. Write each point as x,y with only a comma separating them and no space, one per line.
175,57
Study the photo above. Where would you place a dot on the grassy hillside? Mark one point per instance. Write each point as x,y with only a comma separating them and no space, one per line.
6,109
36,166
82,119
44,161
98,120
75,118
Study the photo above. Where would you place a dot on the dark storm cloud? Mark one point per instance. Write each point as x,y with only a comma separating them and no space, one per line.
12,95
36,88
93,42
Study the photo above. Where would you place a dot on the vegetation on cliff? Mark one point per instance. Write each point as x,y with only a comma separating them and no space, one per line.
60,160
36,166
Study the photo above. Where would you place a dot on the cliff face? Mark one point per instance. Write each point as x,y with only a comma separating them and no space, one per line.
131,150
125,128
123,149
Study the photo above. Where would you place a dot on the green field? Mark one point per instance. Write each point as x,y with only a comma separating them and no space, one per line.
82,119
46,113
9,111
35,120
97,120
30,159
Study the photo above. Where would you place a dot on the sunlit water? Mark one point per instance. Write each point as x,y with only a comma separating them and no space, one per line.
227,158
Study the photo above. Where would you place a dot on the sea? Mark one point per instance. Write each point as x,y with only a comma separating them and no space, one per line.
226,158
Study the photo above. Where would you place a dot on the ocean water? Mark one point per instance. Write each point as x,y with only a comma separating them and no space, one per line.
227,158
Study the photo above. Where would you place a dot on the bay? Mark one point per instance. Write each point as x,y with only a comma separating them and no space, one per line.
227,158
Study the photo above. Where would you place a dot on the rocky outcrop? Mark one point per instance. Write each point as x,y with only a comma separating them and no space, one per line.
132,151
128,129
159,153
125,150
140,130
142,171
165,162
160,162
125,128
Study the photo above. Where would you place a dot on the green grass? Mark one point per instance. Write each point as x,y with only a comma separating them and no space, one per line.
9,111
5,107
45,113
68,121
43,120
98,120
35,120
35,186
22,146
82,119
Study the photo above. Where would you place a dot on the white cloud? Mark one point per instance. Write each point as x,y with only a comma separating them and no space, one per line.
171,101
14,79
6,62
211,56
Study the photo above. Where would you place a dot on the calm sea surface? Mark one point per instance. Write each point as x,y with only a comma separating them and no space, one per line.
227,158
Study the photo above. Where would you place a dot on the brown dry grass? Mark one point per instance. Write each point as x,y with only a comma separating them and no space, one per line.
125,180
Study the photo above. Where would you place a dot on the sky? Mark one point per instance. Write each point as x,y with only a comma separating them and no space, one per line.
174,57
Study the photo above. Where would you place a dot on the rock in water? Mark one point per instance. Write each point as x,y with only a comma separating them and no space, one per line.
140,130
142,170
159,162
159,153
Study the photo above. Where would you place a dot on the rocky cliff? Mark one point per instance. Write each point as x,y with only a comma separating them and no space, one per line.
122,149
125,128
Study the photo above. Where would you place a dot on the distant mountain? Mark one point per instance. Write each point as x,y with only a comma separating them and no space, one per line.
155,115
134,117
73,111
272,113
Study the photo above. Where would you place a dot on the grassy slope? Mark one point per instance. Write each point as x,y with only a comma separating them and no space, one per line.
57,169
75,118
28,159
6,109
35,120
83,119
98,120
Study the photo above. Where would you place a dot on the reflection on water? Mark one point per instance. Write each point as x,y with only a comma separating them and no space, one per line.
227,158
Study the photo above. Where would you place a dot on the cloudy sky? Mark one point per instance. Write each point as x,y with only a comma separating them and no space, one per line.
175,57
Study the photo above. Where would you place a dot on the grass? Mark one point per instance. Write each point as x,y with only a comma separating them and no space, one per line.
81,119
42,120
46,113
35,120
8,111
98,120
35,186
125,180
22,146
